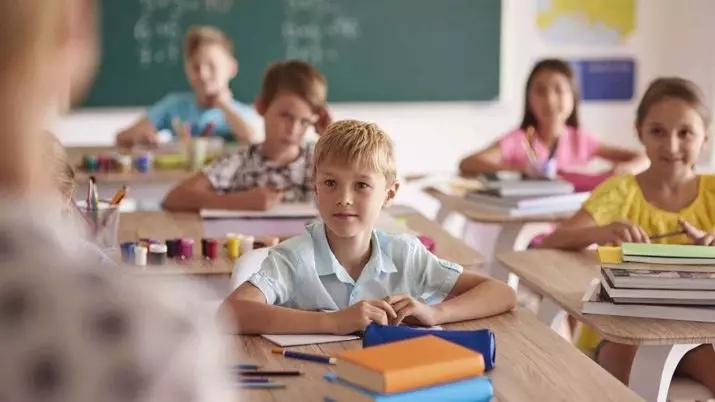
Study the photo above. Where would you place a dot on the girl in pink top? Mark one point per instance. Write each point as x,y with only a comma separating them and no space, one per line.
549,128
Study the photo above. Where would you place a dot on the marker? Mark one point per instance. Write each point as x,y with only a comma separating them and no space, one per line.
245,366
258,373
306,356
119,196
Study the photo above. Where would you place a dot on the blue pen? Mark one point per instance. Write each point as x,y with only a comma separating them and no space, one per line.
266,385
306,356
245,366
253,380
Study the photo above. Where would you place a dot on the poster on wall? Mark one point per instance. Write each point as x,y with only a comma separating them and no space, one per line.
586,22
611,79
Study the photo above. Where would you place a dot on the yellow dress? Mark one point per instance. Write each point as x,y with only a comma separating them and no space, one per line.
620,198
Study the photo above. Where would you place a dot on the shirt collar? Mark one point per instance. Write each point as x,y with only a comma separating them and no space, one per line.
327,264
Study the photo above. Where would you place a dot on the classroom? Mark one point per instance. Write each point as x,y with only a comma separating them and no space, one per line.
383,200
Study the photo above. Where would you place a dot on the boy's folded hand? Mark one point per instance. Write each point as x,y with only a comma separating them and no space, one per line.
263,198
412,311
358,316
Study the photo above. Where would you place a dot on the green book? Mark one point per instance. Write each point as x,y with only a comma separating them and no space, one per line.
667,251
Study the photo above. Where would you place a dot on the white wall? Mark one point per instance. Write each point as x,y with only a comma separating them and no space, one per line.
672,38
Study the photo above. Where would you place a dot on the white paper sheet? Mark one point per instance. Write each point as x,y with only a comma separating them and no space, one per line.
297,340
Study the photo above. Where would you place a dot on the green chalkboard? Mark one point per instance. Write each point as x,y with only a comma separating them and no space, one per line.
370,50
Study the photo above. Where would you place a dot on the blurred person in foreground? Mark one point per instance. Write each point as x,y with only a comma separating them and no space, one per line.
68,331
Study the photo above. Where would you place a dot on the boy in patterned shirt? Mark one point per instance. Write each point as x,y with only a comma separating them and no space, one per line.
259,176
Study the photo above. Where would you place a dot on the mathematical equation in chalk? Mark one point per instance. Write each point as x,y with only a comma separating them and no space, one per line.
312,30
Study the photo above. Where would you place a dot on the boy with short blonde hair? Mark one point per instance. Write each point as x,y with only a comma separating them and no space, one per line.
342,264
210,65
292,99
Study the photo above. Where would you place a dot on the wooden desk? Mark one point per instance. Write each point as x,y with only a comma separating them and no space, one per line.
562,278
511,227
163,225
532,364
446,246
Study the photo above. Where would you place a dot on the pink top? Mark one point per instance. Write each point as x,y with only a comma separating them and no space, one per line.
576,148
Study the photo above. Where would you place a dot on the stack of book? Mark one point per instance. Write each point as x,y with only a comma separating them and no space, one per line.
426,368
674,282
523,197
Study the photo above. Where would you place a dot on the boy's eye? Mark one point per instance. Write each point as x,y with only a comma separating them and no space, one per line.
362,185
685,133
329,183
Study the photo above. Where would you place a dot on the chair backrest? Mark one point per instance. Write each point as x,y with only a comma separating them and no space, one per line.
247,265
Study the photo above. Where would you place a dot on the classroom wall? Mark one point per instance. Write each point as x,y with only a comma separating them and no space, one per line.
671,39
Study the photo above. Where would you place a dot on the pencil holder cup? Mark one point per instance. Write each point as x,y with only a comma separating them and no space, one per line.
102,224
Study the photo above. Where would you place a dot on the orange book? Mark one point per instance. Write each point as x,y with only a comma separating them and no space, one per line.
405,365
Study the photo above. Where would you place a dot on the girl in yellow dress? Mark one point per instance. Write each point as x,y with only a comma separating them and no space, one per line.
672,123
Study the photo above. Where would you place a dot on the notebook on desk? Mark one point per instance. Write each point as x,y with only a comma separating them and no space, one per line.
307,339
280,211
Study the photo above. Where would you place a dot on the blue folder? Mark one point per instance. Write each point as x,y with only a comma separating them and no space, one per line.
477,389
480,340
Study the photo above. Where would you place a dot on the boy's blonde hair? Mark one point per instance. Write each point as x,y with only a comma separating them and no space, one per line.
359,143
62,171
203,35
297,77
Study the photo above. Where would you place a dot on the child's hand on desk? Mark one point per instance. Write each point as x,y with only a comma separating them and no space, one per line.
698,236
412,311
618,233
358,316
262,198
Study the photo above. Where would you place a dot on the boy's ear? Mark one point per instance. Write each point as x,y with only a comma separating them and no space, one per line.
234,67
391,193
260,106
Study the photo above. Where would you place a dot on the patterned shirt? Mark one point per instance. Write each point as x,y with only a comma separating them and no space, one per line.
248,168
72,332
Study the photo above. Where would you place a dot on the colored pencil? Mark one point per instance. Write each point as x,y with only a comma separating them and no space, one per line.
306,356
669,234
266,373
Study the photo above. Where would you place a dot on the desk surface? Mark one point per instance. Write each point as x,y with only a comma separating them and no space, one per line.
533,364
473,211
163,225
565,276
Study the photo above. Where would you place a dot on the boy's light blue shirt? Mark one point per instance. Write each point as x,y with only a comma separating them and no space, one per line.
184,106
303,273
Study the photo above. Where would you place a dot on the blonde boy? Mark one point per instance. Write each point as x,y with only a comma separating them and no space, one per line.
256,177
343,264
210,66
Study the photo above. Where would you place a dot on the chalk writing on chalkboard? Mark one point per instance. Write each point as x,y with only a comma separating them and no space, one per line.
314,29
158,31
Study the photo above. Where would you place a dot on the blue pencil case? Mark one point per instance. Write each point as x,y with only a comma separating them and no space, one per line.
480,340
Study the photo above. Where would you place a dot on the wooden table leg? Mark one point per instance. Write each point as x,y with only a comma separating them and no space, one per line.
653,369
506,241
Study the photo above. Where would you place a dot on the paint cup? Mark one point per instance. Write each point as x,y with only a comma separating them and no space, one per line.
124,163
197,153
145,162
